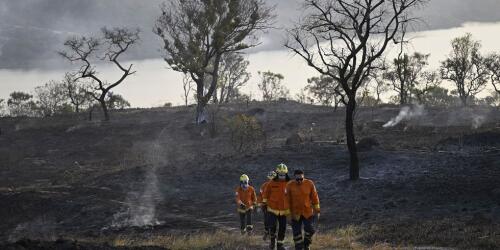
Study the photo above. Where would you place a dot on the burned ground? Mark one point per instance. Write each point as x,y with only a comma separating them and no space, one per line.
432,180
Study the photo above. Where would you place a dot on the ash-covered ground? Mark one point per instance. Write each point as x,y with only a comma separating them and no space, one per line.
430,179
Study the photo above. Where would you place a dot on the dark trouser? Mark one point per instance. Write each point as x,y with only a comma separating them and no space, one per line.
277,222
266,221
303,242
246,221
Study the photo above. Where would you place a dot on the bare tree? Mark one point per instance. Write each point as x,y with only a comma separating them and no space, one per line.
85,50
187,85
232,76
465,67
271,86
345,39
196,35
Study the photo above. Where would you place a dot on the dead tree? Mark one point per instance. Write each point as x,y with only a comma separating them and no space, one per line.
196,34
345,39
85,50
187,85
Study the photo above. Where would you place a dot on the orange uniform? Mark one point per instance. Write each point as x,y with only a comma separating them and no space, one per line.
262,191
246,197
275,197
302,199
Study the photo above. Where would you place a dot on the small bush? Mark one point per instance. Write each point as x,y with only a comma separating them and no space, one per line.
246,133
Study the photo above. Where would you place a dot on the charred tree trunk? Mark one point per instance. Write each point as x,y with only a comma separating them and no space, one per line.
351,140
91,111
200,112
104,108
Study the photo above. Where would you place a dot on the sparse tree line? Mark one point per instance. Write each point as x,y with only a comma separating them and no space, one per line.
465,70
344,41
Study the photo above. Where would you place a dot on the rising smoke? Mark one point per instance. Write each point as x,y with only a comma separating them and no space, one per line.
140,206
406,113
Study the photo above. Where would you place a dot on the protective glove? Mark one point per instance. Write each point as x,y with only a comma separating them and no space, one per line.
242,206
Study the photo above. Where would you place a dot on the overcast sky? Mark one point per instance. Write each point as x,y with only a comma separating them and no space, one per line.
31,31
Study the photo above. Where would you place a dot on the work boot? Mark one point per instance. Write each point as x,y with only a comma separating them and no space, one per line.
307,244
272,244
307,241
243,231
299,246
280,246
299,242
249,229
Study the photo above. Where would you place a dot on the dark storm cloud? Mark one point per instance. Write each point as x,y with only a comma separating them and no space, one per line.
31,31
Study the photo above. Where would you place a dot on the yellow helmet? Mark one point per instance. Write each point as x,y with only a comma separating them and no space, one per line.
244,178
271,175
281,169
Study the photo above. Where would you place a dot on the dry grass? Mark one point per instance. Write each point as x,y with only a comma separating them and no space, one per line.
216,240
344,238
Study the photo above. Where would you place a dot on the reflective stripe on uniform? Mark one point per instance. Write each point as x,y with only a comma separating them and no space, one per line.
316,206
278,212
244,210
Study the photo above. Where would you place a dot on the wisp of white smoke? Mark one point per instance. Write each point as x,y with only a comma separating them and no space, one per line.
406,113
477,121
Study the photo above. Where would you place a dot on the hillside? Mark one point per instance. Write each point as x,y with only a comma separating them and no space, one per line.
431,181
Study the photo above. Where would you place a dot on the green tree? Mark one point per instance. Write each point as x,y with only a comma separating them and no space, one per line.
77,92
233,75
197,34
271,86
51,98
439,96
408,76
21,104
465,67
2,107
116,101
493,65
325,90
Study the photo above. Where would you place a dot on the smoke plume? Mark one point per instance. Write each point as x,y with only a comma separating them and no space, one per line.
140,209
406,113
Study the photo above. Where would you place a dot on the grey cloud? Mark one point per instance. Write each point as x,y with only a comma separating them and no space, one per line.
31,31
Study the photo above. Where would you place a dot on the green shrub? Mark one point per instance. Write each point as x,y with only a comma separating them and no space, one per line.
246,133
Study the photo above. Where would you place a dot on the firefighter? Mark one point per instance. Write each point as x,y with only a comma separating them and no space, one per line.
246,199
303,202
277,206
270,176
